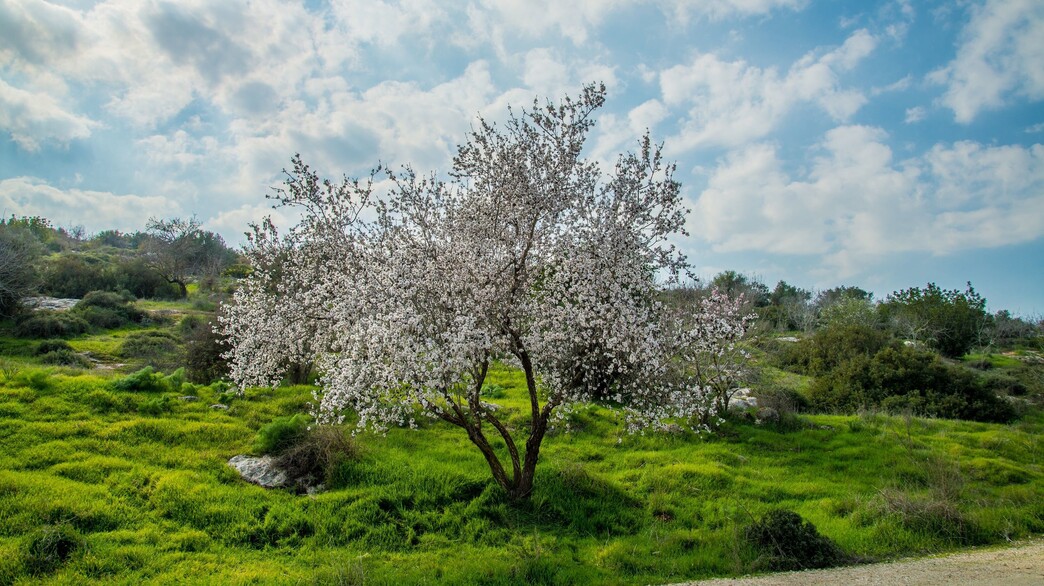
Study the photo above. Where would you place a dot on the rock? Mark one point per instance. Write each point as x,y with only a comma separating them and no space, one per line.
219,406
189,398
261,470
742,399
787,339
38,303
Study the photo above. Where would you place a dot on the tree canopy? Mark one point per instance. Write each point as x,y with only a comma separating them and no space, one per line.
528,253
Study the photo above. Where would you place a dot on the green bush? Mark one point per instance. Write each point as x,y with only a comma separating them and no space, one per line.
73,275
145,282
949,321
150,345
65,358
317,453
146,380
47,548
204,347
307,453
830,347
281,433
785,541
904,379
108,310
53,345
50,324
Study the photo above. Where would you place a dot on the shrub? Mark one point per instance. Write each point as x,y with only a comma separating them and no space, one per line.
145,380
50,324
949,321
65,358
317,453
107,310
785,541
830,347
204,362
73,274
281,433
307,453
53,345
49,547
901,378
149,345
145,282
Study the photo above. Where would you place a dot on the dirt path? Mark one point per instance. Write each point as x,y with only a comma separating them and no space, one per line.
1020,565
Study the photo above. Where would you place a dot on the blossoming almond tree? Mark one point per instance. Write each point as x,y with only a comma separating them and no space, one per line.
404,289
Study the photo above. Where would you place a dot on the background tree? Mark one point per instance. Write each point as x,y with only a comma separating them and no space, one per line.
529,254
788,308
19,252
950,321
179,249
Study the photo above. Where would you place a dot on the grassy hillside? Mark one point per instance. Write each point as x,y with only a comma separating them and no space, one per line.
129,486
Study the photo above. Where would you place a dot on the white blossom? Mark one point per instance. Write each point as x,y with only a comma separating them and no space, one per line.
527,253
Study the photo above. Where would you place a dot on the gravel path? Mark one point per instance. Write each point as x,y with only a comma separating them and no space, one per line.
1020,565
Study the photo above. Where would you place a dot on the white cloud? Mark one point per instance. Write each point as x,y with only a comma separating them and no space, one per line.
915,114
857,203
544,73
731,102
999,58
34,119
717,10
95,210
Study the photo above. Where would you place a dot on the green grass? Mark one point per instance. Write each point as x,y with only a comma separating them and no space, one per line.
145,494
995,360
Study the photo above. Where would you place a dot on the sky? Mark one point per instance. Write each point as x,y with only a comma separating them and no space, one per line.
883,144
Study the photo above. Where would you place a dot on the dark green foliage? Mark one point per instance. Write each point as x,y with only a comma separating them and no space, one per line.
65,358
1011,331
899,378
50,324
306,452
949,321
108,310
317,454
50,546
204,347
754,292
788,308
830,347
19,250
73,275
143,282
785,541
48,346
151,345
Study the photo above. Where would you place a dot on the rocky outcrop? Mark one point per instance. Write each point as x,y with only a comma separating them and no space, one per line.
261,470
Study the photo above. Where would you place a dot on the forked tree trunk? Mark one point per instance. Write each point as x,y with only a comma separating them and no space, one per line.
518,482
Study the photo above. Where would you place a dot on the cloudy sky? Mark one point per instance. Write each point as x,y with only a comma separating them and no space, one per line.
883,144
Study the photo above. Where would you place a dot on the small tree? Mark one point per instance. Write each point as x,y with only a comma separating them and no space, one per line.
19,275
710,350
179,249
529,253
950,321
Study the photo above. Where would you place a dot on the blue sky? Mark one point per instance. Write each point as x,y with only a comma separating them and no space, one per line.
881,144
